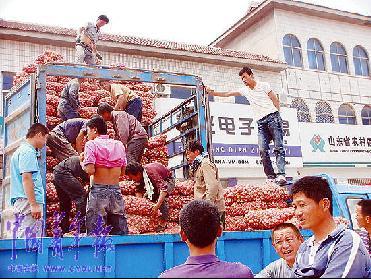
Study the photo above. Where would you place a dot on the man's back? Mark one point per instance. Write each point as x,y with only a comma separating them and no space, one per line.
208,266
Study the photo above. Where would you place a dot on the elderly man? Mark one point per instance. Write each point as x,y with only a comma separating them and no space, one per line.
286,240
86,42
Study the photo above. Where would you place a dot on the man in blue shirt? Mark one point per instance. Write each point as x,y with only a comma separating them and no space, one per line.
26,188
333,251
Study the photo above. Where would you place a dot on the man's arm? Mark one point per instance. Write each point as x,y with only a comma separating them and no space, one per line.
222,94
211,181
89,169
274,99
28,186
122,101
160,200
79,141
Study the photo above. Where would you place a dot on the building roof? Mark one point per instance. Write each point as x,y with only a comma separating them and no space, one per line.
30,27
258,12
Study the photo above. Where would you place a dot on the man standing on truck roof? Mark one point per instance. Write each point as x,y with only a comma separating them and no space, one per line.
200,228
128,130
333,251
266,108
363,215
154,182
286,240
66,139
69,102
105,160
26,188
125,99
86,42
69,188
205,174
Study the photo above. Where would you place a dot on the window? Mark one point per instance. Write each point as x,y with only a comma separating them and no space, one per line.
366,115
316,58
347,115
338,56
292,50
303,113
324,113
241,100
7,80
180,92
360,60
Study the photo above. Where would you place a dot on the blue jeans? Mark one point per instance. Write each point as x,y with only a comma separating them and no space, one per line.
270,128
134,107
106,201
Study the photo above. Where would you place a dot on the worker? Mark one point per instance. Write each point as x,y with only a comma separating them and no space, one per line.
205,174
286,240
128,130
27,193
105,160
69,188
86,42
155,182
333,251
200,228
125,99
66,139
266,108
69,102
363,215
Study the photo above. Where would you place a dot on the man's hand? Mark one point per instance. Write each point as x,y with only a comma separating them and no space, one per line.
36,211
82,156
209,90
155,209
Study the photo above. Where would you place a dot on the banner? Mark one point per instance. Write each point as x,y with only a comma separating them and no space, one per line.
339,145
235,136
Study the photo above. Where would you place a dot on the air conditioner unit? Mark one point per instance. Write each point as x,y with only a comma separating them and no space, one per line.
161,90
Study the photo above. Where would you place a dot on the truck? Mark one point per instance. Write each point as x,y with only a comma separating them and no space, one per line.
131,255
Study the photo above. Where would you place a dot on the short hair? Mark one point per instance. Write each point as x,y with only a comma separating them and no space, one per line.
313,187
36,129
200,222
245,70
104,107
98,123
134,168
104,18
193,146
365,207
286,226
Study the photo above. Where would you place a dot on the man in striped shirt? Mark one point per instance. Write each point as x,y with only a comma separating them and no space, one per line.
333,251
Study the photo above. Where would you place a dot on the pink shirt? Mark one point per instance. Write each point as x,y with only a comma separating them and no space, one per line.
105,152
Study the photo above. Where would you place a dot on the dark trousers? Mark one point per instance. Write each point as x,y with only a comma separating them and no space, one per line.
135,150
70,189
134,107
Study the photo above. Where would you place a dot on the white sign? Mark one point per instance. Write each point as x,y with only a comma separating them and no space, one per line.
335,144
235,136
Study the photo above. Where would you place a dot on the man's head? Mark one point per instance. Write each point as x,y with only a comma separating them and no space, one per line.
363,213
105,110
200,224
102,20
37,134
194,149
247,76
312,200
105,84
135,171
286,240
96,127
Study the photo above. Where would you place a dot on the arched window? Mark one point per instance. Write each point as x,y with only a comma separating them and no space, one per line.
302,109
324,113
339,59
347,115
316,57
366,115
292,50
360,60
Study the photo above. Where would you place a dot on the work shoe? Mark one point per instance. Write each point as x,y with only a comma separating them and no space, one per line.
281,180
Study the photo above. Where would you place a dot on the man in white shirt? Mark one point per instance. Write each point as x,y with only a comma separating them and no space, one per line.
266,108
286,240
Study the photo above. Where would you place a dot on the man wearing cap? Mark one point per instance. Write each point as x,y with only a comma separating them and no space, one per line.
125,99
86,42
